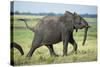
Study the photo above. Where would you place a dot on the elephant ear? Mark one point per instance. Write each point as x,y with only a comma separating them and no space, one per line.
63,18
68,20
76,21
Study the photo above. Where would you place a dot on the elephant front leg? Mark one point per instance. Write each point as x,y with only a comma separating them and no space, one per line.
72,41
65,39
65,46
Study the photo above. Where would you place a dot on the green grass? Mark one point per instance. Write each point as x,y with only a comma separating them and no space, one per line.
24,37
91,19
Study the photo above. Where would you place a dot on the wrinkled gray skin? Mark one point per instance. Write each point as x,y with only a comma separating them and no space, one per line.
54,29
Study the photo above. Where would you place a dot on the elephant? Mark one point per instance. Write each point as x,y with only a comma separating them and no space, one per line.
54,29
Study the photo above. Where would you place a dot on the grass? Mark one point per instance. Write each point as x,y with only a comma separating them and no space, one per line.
24,37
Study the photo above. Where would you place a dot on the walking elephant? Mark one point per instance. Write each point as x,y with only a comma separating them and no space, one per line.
54,29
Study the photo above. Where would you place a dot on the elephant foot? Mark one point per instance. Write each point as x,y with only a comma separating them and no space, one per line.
73,51
28,55
64,55
54,55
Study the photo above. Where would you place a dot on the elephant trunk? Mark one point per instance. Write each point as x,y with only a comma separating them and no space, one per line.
85,35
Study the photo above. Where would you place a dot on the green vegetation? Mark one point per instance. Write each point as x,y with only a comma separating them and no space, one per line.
24,37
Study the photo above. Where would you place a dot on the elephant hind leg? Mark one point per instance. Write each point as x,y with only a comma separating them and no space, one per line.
36,43
52,53
13,44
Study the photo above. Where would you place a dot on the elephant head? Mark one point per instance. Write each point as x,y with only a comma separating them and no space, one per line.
75,22
80,23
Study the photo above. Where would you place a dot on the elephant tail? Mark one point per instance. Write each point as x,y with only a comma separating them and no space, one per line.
13,44
25,21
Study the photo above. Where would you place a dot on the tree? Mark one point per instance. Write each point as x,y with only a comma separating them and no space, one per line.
17,12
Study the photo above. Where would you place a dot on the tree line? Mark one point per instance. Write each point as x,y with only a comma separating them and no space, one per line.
50,14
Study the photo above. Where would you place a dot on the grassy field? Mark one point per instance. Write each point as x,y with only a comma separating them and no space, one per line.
24,37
